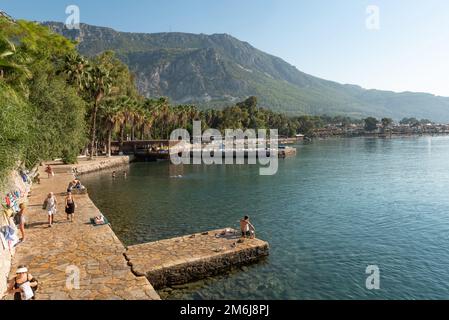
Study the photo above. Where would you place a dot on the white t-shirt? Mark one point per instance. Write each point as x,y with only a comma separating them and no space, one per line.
27,292
51,204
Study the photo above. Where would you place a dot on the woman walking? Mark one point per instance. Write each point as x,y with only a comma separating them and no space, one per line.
50,205
70,206
49,171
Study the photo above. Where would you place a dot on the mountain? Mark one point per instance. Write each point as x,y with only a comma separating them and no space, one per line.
218,70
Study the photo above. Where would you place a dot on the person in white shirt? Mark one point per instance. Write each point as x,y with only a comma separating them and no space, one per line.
50,205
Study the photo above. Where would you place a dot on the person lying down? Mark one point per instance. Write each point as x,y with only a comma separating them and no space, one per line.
99,220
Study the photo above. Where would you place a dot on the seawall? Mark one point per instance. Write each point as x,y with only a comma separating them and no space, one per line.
102,164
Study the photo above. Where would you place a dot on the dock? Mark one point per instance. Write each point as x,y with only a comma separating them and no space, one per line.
153,150
189,258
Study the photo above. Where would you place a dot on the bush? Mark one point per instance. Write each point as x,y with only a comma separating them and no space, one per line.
69,156
14,126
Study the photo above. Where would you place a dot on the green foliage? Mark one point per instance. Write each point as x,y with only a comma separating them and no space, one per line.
70,156
371,124
415,122
58,121
42,115
14,119
386,122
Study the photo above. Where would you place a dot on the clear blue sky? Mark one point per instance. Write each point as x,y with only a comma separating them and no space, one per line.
326,38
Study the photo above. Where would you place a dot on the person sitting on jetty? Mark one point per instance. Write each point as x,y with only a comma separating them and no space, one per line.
248,230
23,285
75,184
37,179
70,186
49,171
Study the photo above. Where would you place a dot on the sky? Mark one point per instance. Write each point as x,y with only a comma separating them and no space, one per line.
398,45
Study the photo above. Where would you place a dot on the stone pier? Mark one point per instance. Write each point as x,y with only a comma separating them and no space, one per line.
194,257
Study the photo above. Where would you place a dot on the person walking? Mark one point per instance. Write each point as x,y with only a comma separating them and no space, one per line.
49,171
70,206
50,206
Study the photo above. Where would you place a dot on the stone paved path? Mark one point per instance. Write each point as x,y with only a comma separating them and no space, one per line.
52,253
182,259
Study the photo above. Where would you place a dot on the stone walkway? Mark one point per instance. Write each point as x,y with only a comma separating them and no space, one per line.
52,254
193,257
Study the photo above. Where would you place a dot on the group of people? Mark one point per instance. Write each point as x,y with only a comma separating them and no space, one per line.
114,174
50,205
24,285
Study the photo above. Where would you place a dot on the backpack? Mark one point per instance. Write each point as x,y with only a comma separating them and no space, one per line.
17,219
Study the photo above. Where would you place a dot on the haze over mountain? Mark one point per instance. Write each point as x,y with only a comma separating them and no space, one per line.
218,70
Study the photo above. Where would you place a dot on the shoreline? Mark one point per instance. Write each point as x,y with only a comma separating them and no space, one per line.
381,136
60,256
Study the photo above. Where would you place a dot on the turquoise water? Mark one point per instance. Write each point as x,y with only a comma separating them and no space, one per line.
337,207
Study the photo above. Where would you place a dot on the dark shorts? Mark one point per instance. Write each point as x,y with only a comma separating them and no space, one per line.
246,233
70,209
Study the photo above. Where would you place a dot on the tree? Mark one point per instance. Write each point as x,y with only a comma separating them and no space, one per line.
16,120
410,121
425,121
306,125
99,86
10,61
77,70
370,124
111,116
59,122
386,123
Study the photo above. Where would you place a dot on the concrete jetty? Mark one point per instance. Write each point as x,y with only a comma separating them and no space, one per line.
193,257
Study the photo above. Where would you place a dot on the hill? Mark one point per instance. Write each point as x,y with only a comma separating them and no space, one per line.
218,70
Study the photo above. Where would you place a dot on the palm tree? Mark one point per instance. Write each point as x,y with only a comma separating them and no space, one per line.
99,86
9,60
78,71
111,115
124,104
147,123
